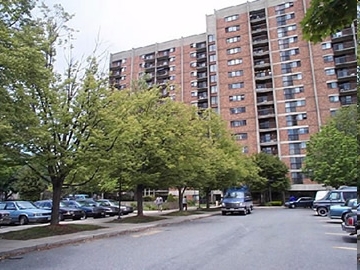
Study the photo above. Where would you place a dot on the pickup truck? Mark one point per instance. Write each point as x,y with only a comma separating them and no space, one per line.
351,223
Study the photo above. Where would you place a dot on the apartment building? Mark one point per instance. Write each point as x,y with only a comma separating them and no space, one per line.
252,67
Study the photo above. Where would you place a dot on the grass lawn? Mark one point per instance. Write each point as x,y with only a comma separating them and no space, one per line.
137,219
46,231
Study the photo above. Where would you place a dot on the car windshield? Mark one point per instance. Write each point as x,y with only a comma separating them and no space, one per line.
84,203
234,194
26,205
62,204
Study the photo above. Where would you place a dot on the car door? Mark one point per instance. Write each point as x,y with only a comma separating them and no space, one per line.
11,208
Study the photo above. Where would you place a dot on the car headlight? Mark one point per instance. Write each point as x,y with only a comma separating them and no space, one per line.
223,204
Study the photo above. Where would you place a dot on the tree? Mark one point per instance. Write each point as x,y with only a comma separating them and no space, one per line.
326,17
50,120
332,157
274,171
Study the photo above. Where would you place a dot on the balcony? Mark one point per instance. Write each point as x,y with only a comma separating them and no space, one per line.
266,112
344,46
347,87
263,75
259,41
265,99
163,54
259,29
261,52
263,87
201,66
202,96
149,66
342,35
262,63
257,17
267,125
162,73
149,57
163,64
345,60
346,74
270,150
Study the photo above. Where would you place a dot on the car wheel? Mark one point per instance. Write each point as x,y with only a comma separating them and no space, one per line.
343,216
292,206
23,220
61,217
245,211
322,211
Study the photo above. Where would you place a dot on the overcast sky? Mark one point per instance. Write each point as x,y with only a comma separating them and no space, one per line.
122,25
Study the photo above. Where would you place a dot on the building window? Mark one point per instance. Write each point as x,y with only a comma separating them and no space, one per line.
232,28
233,39
292,120
212,58
192,64
214,100
291,106
212,48
295,162
194,93
213,89
332,85
245,149
285,55
212,68
236,73
282,20
238,123
213,78
333,112
237,110
287,67
334,99
289,93
280,9
193,83
326,46
172,77
285,42
211,38
237,85
283,31
328,58
236,98
231,18
234,62
289,80
233,50
330,71
240,136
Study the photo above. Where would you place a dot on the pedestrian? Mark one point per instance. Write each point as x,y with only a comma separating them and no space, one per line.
184,203
159,202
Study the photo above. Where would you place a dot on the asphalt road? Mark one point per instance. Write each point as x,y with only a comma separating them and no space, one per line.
267,239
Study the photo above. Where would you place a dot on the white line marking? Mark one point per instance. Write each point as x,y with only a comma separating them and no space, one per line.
347,248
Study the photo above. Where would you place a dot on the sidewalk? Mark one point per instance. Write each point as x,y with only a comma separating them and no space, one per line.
10,248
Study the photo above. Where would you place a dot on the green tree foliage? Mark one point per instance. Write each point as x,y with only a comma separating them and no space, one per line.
332,156
49,119
326,17
273,171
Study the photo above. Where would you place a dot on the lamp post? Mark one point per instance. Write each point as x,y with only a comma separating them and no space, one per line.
120,210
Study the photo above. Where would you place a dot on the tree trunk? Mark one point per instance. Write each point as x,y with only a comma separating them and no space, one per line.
207,198
57,186
181,194
139,199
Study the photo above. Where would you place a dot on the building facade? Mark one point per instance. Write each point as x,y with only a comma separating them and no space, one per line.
253,67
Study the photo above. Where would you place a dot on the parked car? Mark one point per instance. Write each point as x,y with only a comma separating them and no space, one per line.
301,202
350,224
125,209
24,212
90,209
5,218
65,212
334,197
339,211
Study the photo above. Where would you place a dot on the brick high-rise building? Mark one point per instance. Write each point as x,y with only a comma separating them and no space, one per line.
253,67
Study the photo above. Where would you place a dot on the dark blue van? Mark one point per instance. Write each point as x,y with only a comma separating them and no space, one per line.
237,200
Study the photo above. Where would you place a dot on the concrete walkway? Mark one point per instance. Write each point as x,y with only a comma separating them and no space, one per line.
11,248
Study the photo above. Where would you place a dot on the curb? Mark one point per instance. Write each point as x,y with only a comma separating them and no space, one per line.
95,236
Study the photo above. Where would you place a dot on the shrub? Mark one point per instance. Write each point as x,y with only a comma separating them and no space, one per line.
148,199
274,203
171,198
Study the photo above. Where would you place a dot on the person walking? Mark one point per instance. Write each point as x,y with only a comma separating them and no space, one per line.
159,202
184,203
